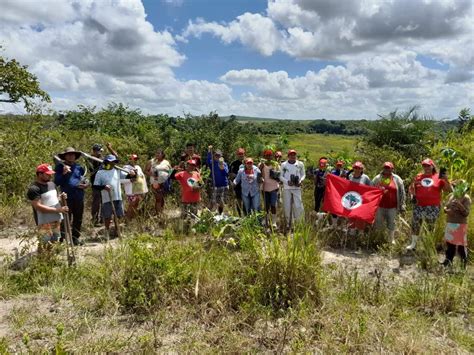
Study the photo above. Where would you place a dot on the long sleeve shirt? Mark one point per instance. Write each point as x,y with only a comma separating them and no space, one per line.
220,178
69,182
288,169
249,181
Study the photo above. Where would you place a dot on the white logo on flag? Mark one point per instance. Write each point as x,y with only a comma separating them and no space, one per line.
351,200
426,182
191,182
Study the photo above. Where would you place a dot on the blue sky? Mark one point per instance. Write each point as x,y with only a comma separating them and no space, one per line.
278,58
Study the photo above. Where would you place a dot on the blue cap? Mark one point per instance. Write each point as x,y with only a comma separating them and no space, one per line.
110,158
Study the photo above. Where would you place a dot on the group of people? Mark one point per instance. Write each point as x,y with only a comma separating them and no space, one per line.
272,178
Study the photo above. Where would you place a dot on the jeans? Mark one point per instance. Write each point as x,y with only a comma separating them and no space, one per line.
386,215
251,203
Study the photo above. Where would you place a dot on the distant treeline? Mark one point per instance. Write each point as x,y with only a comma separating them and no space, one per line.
323,126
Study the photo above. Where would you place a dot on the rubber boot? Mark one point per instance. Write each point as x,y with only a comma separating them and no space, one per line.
414,239
391,237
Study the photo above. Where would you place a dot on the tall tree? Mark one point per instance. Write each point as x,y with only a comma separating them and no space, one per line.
17,84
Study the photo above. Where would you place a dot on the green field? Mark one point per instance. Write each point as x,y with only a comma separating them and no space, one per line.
318,145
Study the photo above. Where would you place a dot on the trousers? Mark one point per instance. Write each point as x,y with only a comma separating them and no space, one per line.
297,209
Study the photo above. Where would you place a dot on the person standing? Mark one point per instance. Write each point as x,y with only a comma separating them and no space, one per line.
393,199
159,170
426,189
190,154
69,176
339,169
249,176
271,184
135,189
94,167
219,179
234,168
47,210
292,176
191,184
457,211
320,183
357,175
107,181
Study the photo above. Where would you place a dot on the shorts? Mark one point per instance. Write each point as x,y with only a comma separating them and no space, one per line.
271,198
50,232
428,213
386,215
107,209
219,195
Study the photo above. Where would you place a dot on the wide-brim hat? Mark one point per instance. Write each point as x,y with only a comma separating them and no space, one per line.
70,150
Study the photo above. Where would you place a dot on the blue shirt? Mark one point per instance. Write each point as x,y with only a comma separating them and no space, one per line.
249,181
69,183
110,177
220,178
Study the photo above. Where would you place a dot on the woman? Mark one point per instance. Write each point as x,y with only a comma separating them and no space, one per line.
249,176
393,199
357,175
271,184
457,210
158,169
134,189
426,189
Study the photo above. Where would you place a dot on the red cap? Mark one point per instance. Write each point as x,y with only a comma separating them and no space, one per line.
340,163
240,151
388,164
323,161
358,164
428,162
45,169
268,152
191,162
278,154
291,151
248,160
133,157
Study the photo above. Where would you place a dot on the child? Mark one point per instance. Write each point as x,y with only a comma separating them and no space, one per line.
457,210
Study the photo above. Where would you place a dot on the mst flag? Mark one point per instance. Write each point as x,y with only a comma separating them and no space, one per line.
350,199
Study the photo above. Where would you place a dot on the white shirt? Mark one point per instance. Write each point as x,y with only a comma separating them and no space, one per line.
288,169
137,187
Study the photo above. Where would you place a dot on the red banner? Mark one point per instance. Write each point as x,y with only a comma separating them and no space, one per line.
349,199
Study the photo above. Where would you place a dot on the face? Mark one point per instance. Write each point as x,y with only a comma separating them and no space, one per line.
159,155
70,157
190,150
190,167
217,156
249,165
357,171
428,169
387,170
240,156
292,157
45,177
97,153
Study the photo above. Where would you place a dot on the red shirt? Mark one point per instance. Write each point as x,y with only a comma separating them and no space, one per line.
428,189
389,198
187,180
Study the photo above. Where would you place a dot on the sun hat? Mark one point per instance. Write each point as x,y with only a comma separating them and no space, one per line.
358,164
70,150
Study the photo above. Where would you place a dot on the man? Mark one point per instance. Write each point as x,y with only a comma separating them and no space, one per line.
339,169
233,171
46,207
190,154
107,181
320,183
134,189
219,179
292,176
70,178
94,167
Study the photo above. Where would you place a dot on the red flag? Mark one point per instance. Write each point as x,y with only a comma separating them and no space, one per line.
350,199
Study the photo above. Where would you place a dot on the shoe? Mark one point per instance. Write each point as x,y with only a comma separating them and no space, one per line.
412,246
77,242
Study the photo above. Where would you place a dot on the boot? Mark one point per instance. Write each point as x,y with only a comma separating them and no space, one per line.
391,237
414,239
274,220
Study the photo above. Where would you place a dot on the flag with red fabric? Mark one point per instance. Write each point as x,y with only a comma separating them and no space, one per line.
349,199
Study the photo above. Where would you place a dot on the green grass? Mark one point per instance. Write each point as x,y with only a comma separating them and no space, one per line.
318,145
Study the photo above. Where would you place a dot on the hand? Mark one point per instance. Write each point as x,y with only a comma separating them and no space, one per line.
108,145
63,194
66,169
83,186
132,172
108,188
63,209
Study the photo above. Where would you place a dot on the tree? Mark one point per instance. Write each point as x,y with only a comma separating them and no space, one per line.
18,84
465,118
